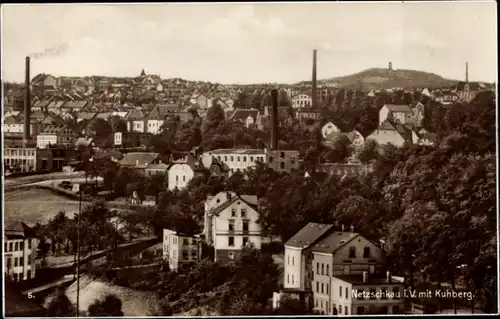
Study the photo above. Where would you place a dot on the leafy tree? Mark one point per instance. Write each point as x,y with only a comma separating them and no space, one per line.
118,124
60,306
109,306
369,152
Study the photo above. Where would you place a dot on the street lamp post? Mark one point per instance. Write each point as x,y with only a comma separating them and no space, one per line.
78,253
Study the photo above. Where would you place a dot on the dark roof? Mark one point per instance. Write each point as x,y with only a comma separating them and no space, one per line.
160,111
134,115
398,108
404,131
18,305
308,235
17,228
195,164
333,241
53,129
243,114
372,279
248,199
142,158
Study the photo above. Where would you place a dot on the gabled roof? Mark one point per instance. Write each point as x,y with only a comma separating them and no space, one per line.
18,228
386,126
398,108
53,129
308,235
404,131
86,115
53,119
195,164
250,200
139,159
134,115
209,160
161,110
333,242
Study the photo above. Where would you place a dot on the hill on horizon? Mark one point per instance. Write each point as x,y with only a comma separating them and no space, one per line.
383,78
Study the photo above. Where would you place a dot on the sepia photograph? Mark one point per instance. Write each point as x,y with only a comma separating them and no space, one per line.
249,159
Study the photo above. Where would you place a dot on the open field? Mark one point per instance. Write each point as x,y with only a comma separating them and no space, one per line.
33,206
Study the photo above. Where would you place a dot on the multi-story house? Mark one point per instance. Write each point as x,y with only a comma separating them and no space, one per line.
157,116
393,133
15,124
135,121
19,251
335,270
182,171
249,117
301,100
56,135
394,113
179,249
243,159
139,161
231,223
304,114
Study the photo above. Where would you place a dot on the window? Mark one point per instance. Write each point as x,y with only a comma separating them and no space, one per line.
233,212
317,286
322,290
383,294
282,154
352,252
293,260
270,159
231,241
317,268
16,246
21,261
245,241
232,158
231,225
322,269
5,247
230,256
245,225
346,293
237,158
225,158
176,178
346,310
340,309
21,245
373,292
244,158
327,289
243,212
288,259
316,302
292,280
16,261
321,303
360,294
287,278
395,290
340,291
194,253
366,252
251,158
185,254
183,178
185,241
326,306
282,165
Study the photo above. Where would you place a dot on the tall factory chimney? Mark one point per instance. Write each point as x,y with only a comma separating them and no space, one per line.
27,104
274,120
466,72
314,84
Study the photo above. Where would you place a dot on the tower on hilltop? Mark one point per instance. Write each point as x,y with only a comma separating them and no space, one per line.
143,73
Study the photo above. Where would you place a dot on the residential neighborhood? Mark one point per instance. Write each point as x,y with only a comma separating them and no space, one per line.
145,193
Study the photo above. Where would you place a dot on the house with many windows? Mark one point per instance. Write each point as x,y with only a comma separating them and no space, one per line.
19,251
180,249
231,223
339,273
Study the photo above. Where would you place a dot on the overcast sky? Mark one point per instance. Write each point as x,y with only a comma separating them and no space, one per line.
244,43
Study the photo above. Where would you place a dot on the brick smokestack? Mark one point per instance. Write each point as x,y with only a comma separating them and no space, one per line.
274,120
27,104
314,84
466,72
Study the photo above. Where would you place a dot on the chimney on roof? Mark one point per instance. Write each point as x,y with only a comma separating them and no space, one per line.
314,84
365,277
390,66
274,120
27,104
389,277
466,72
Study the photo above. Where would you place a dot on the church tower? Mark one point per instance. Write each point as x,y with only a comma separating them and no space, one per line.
143,73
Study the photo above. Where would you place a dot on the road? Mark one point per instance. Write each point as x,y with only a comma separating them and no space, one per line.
56,178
